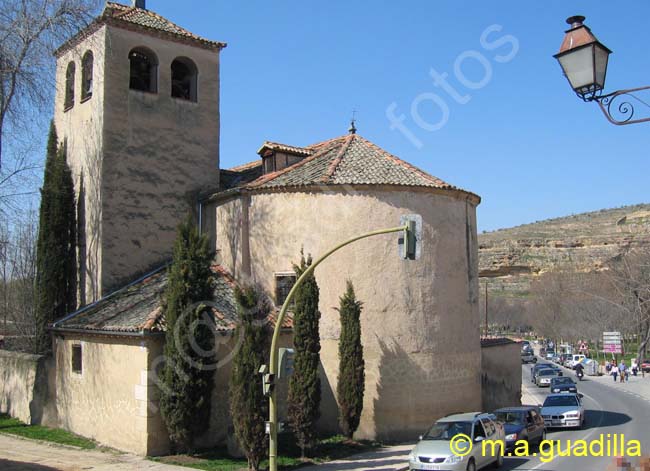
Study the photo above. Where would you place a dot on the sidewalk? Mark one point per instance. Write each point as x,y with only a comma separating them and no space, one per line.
28,455
636,386
391,458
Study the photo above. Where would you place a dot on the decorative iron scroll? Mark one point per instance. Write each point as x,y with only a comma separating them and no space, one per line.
619,107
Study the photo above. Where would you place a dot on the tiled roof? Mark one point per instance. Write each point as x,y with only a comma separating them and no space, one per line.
137,308
345,160
140,19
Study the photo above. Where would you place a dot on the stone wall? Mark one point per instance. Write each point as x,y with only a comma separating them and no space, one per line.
501,373
420,328
25,389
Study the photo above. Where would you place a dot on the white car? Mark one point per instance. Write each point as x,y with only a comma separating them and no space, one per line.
575,359
563,410
433,451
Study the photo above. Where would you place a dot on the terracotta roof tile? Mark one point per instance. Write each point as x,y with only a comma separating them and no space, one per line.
137,308
139,19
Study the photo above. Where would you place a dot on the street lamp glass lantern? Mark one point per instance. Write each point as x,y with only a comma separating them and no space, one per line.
583,59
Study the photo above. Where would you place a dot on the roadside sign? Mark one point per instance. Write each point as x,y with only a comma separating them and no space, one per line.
612,342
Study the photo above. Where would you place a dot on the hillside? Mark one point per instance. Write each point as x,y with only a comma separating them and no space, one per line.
510,258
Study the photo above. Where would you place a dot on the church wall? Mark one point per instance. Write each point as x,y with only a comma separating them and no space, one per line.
159,152
81,127
109,400
420,327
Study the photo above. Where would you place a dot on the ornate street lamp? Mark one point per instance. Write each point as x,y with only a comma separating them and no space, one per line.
584,62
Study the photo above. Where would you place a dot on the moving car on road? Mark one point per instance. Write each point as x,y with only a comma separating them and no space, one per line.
522,423
563,384
563,410
433,450
536,369
645,365
528,356
544,377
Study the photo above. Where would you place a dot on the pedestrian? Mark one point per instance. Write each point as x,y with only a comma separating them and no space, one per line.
622,369
608,367
614,372
634,366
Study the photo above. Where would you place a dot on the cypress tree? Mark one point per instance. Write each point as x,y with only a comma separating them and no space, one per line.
248,405
187,378
304,387
350,386
56,266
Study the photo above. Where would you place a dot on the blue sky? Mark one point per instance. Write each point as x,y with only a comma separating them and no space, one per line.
293,72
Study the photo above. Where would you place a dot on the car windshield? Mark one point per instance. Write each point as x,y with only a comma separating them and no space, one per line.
511,417
546,372
448,430
562,380
555,401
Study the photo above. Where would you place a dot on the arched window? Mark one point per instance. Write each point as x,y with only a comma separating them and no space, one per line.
87,75
69,86
184,75
144,70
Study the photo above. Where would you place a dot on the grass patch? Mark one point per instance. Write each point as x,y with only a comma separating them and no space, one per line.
38,432
328,449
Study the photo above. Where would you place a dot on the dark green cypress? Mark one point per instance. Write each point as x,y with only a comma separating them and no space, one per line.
351,379
304,386
187,376
56,279
248,405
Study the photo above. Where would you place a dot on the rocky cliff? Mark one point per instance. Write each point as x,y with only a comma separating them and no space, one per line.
510,258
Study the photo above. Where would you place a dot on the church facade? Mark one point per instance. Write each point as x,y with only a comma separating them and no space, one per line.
137,104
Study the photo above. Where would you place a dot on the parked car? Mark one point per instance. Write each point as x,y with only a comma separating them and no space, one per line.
528,356
536,369
563,410
544,376
549,354
561,359
432,450
645,365
522,423
563,384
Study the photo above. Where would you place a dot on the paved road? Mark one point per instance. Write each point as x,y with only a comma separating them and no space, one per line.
609,410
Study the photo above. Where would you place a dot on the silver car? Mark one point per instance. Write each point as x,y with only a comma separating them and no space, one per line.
544,377
563,410
433,451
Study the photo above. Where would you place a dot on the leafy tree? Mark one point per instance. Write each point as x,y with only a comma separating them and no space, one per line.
56,279
351,378
304,386
248,405
187,378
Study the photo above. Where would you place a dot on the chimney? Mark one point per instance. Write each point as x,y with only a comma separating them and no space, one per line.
139,4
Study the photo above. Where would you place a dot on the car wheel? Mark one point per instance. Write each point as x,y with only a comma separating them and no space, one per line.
471,466
499,462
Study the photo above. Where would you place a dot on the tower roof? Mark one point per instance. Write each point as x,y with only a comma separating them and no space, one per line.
141,20
346,160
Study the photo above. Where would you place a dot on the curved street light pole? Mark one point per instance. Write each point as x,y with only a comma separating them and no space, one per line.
273,365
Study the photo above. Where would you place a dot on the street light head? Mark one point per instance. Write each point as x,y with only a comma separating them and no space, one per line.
583,59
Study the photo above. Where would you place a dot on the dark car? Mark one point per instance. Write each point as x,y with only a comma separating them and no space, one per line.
522,423
535,369
556,368
563,384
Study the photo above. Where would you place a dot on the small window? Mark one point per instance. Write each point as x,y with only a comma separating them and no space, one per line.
87,76
69,86
269,164
144,70
184,75
76,359
283,284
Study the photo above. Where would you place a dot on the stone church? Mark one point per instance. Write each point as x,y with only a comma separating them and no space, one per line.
137,102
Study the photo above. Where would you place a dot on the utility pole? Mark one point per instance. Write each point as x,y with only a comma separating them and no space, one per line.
486,308
409,244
